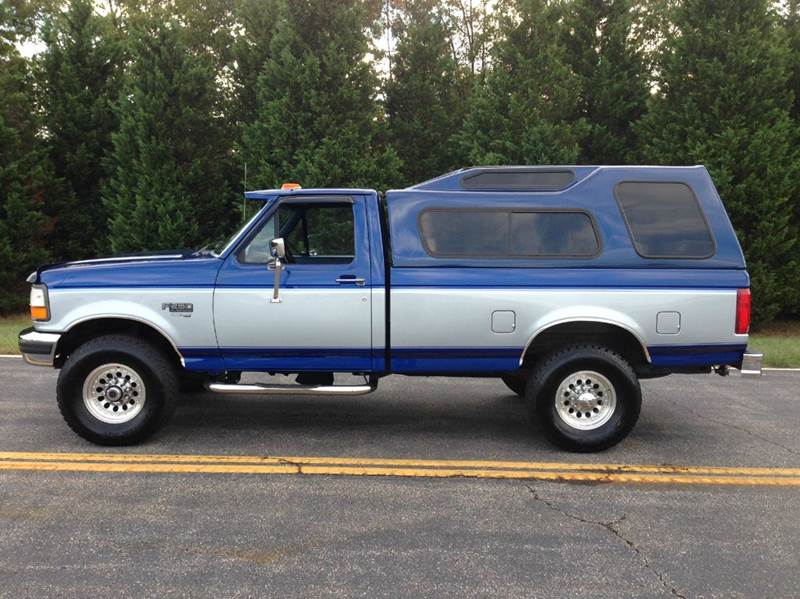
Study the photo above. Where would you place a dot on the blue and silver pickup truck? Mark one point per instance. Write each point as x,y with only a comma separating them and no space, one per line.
568,283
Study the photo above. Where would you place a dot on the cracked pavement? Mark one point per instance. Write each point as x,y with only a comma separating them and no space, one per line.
173,535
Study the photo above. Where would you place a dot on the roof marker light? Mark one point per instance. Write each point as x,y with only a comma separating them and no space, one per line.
287,186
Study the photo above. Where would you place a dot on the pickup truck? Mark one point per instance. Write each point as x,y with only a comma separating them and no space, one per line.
569,283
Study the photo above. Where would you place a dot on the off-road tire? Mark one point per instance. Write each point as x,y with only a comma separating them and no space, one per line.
158,374
543,387
516,382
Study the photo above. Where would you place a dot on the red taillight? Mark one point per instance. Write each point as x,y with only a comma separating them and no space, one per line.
742,311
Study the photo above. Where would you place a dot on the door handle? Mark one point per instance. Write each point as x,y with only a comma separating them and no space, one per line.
351,279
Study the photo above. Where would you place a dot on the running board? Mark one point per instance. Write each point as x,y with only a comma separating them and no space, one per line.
262,389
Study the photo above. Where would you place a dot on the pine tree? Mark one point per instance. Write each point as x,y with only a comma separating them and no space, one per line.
724,102
256,22
423,103
167,185
78,75
25,181
614,86
525,113
317,120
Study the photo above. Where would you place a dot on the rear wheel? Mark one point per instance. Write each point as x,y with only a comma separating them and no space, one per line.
516,382
117,390
586,397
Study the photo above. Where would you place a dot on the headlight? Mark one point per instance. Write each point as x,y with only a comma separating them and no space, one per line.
40,305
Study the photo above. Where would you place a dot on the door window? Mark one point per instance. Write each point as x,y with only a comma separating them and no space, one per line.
313,233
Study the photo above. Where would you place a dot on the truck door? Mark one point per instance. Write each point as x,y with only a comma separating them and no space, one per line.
323,319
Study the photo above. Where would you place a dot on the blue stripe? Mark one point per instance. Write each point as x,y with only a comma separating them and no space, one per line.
697,355
425,360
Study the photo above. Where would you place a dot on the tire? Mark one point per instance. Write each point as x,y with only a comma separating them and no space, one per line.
603,385
124,408
516,382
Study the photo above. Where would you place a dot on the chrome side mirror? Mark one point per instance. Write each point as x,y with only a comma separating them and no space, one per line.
277,248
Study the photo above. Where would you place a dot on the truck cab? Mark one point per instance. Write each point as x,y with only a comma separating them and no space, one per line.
570,283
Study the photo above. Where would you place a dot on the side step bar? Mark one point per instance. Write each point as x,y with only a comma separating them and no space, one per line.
263,389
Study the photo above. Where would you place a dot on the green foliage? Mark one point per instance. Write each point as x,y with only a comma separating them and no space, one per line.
423,100
166,186
25,179
525,113
612,75
79,74
317,121
725,103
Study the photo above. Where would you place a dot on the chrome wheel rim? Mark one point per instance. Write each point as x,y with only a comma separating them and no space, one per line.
585,400
114,393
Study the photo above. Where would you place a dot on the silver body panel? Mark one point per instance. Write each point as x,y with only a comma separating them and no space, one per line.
353,317
428,317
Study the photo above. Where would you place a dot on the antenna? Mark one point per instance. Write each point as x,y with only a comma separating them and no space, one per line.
244,197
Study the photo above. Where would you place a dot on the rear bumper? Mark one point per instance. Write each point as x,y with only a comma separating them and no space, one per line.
751,364
38,348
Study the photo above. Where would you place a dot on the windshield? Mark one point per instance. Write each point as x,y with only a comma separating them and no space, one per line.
223,245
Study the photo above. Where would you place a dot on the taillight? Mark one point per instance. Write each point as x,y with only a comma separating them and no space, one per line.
742,311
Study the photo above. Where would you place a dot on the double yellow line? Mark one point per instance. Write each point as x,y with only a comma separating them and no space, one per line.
345,466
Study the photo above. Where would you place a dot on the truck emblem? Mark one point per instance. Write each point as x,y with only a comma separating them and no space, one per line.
181,307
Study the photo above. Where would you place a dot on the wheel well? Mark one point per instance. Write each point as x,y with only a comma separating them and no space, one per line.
609,335
89,329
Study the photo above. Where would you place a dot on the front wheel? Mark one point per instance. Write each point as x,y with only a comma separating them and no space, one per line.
587,397
117,390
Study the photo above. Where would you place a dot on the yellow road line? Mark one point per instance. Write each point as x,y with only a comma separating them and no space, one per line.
264,469
397,462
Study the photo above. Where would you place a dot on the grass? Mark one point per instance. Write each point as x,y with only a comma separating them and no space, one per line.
10,326
780,341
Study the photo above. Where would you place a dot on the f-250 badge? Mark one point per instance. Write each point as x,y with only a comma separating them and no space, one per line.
181,309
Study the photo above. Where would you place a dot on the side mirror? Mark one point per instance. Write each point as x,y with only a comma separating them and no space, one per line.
277,248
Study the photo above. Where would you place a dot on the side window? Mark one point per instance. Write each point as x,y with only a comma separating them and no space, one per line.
664,220
508,233
321,233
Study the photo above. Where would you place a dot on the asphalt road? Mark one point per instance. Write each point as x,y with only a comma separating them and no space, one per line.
232,534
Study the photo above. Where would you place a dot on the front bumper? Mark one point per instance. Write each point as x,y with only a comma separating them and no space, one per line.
38,348
751,364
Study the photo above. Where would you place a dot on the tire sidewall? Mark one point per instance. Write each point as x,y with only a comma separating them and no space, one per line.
542,393
70,385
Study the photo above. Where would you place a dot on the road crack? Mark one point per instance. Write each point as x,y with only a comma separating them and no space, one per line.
288,463
612,527
736,427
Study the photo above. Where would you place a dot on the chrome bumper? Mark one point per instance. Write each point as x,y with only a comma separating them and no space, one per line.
751,364
38,348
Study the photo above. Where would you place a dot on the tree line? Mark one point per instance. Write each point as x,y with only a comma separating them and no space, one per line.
136,124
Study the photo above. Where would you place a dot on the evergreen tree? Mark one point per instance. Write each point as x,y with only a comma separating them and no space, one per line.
167,185
317,120
614,86
256,21
525,113
26,182
423,103
79,76
725,103
792,25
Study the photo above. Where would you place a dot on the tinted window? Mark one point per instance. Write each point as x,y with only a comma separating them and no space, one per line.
519,180
507,233
312,233
664,220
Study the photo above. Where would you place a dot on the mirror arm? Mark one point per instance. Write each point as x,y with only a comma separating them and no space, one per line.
278,269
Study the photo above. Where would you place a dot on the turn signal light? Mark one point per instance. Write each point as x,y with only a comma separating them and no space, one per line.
39,313
39,303
291,186
742,311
